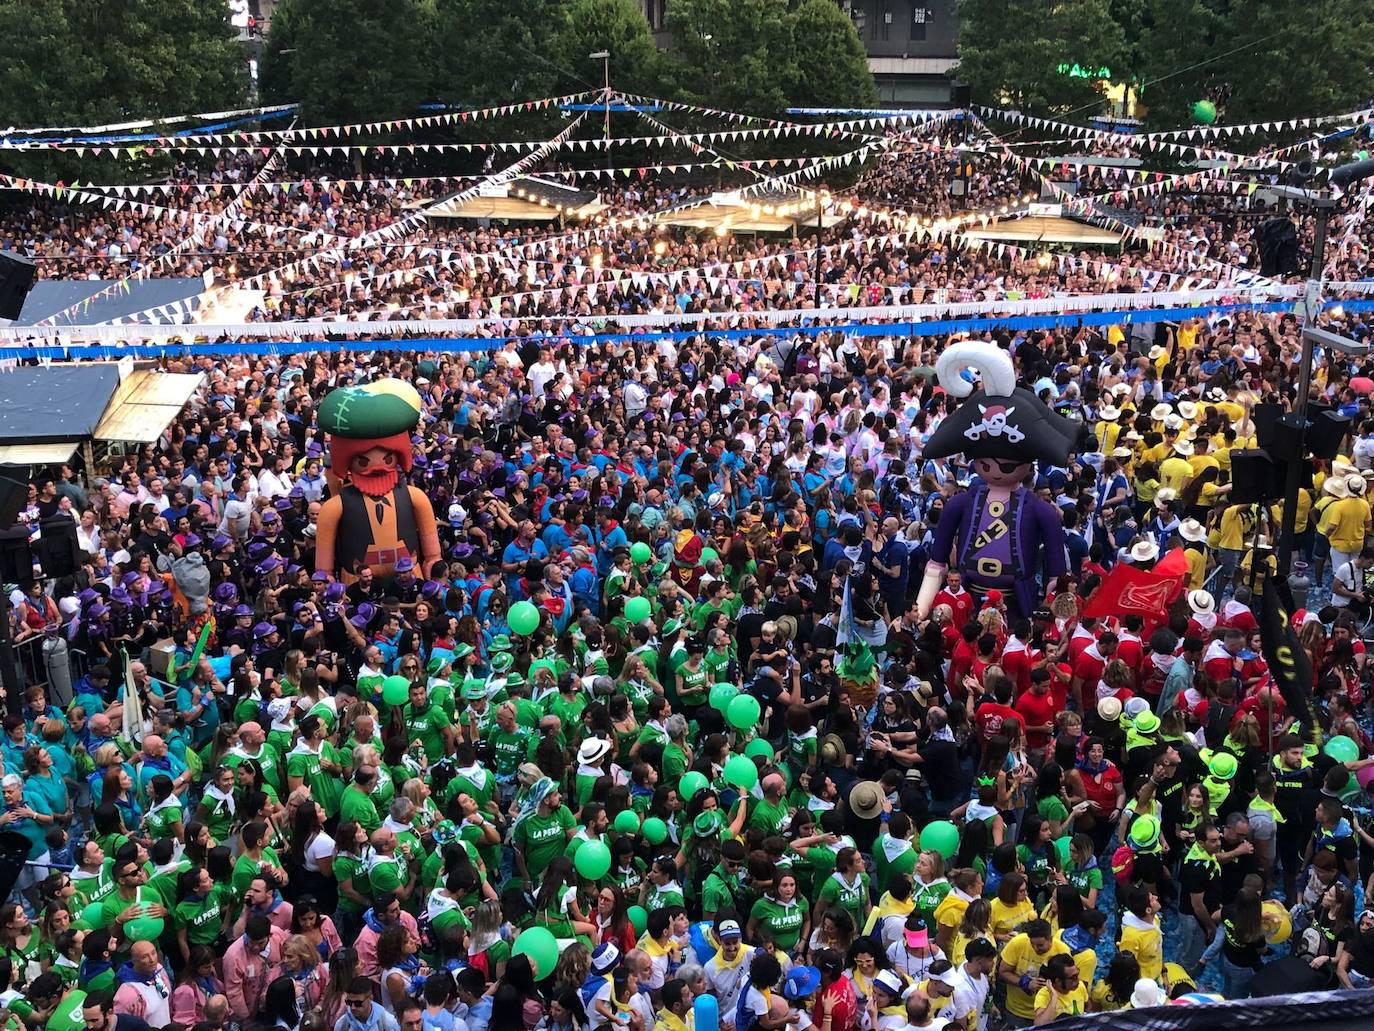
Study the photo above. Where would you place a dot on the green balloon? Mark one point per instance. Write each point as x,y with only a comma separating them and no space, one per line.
627,822
1061,846
743,712
93,915
1205,112
637,610
640,553
593,860
942,837
740,772
721,696
1342,749
395,690
655,831
144,929
691,782
639,918
707,554
759,749
523,618
539,944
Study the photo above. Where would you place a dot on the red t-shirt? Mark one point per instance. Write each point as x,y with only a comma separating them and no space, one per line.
1088,668
1102,793
959,665
989,716
1130,651
962,604
845,1014
1016,664
1079,642
1037,710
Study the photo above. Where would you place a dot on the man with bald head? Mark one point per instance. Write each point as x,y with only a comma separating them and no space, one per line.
158,760
145,987
253,744
770,812
356,803
390,868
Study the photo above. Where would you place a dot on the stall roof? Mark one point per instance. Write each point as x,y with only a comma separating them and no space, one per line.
37,454
44,405
145,405
528,199
1047,229
50,296
771,213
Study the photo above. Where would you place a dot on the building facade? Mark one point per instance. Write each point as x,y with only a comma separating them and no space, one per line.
911,45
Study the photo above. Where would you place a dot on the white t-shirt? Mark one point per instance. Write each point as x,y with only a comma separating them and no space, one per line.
970,994
1350,577
321,847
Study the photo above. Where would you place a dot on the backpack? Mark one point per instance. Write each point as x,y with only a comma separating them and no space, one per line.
1123,864
1219,717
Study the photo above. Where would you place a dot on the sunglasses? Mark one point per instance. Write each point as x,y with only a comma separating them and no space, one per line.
359,1002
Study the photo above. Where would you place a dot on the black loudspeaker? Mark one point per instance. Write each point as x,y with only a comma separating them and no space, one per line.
1326,431
59,552
1286,439
14,493
16,280
16,556
1255,477
1278,247
960,95
1266,417
14,853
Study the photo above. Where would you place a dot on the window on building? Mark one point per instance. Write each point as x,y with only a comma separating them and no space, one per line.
920,15
885,19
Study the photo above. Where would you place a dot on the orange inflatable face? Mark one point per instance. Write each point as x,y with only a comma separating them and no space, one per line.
374,471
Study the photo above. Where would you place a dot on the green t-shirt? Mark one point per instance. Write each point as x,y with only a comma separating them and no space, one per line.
543,839
694,686
388,873
326,788
850,897
358,806
660,897
784,921
93,888
1052,807
246,868
350,867
508,747
674,763
427,725
718,892
1085,880
202,920
268,758
769,816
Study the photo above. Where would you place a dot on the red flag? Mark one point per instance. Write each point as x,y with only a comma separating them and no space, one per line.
1129,591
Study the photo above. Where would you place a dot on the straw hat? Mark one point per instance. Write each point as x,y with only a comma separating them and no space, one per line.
1336,487
1160,412
1165,495
1173,421
1121,452
1144,551
866,799
1108,414
1157,352
1148,994
1355,483
1202,602
1192,530
1183,448
1188,409
1340,467
1109,708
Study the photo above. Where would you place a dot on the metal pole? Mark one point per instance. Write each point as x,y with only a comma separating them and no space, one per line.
1293,482
606,65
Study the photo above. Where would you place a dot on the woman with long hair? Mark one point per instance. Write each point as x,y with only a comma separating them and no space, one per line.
310,921
1241,942
343,968
1114,991
300,961
487,950
613,919
310,857
281,1007
196,984
556,906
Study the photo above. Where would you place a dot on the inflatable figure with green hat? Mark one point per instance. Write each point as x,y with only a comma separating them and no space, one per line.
375,518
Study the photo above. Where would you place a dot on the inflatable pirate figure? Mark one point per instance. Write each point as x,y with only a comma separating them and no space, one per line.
375,519
1000,533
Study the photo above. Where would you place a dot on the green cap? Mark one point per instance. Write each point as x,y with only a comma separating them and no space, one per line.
1146,723
1144,831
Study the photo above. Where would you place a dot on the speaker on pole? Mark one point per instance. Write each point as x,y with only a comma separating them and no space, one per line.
1326,433
1255,477
59,551
961,95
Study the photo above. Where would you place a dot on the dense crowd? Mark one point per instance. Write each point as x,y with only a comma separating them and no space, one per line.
616,751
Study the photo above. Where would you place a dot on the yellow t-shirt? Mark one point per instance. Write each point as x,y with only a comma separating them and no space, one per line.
1068,1003
1105,1000
1145,490
1201,462
1346,520
1006,919
1174,473
1197,567
1157,453
1107,434
1186,337
1086,962
1304,511
1020,956
1146,942
950,912
1237,523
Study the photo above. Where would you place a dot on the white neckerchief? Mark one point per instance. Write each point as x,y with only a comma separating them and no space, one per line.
226,797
